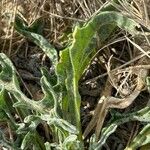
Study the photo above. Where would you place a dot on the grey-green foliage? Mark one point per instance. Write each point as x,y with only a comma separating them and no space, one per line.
141,139
43,106
79,54
60,106
142,115
33,33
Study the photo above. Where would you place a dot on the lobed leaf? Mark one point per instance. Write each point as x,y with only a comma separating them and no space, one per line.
8,80
61,93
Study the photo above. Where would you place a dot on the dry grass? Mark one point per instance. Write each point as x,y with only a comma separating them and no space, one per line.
58,16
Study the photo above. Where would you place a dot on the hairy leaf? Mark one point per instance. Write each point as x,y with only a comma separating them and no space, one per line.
142,115
32,141
21,27
75,59
141,139
8,80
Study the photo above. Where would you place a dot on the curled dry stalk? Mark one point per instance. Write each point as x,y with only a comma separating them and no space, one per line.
107,101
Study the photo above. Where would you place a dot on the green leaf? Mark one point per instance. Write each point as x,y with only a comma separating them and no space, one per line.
60,123
75,59
21,26
8,80
51,121
37,26
2,99
71,142
7,72
50,96
105,32
51,146
3,106
141,139
148,83
61,93
32,141
142,115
